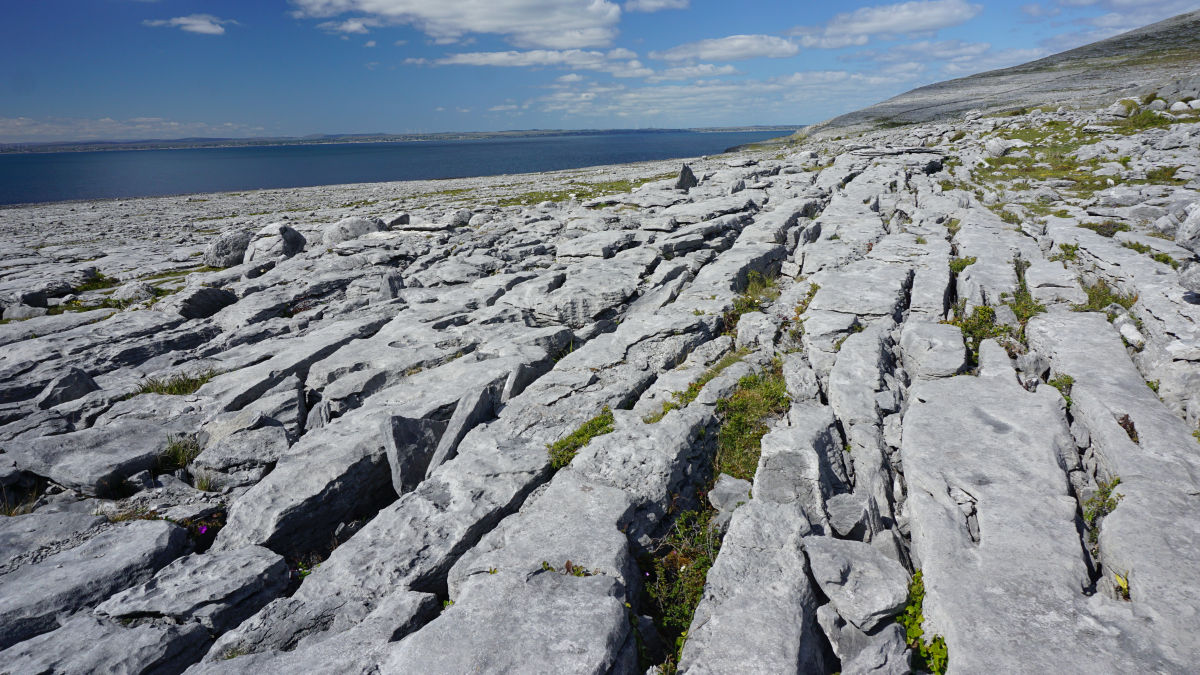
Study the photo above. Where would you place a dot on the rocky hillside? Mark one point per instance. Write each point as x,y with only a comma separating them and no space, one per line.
924,400
1163,58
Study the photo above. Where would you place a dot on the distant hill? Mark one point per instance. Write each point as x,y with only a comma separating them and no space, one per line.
1162,56
179,143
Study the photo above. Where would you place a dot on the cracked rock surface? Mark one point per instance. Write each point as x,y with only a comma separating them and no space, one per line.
468,425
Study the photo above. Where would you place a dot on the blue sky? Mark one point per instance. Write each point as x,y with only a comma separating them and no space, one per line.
136,69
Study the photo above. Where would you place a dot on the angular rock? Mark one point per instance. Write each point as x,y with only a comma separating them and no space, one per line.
87,644
218,589
228,249
72,385
32,597
866,587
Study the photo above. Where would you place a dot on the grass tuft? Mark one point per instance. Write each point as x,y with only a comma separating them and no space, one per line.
760,291
1100,296
1108,228
957,265
681,399
180,452
1063,384
179,385
929,654
564,450
744,415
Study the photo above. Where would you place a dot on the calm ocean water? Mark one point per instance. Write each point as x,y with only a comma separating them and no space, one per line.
27,178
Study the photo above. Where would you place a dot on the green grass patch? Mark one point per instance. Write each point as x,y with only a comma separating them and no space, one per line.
1141,121
676,571
1099,505
580,191
97,283
1022,303
1165,174
760,291
180,452
178,385
564,450
1165,259
957,265
953,226
1066,253
681,399
359,204
1140,248
1100,295
1063,383
929,652
744,415
979,326
1108,228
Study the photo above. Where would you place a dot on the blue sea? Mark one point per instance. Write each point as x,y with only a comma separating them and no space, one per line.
50,177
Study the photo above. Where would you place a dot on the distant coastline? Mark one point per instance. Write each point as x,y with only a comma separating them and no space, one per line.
194,143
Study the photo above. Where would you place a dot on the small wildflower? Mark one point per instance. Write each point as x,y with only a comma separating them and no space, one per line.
203,529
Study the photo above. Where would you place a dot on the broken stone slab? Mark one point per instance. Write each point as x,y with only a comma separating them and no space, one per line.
474,408
802,463
755,330
885,651
32,597
24,534
1157,471
72,385
410,544
545,531
865,586
599,244
410,443
87,644
548,622
987,485
96,460
358,650
333,475
758,611
196,302
218,589
932,350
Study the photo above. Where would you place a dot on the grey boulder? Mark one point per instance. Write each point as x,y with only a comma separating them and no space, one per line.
227,250
273,242
865,586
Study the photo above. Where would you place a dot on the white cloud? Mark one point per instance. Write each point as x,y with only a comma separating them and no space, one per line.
1039,11
355,26
905,18
654,5
926,50
575,59
508,107
692,72
732,48
369,43
557,24
203,24
46,130
570,78
805,96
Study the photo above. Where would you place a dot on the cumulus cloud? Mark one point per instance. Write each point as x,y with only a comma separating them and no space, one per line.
53,129
805,96
555,24
654,5
732,48
692,72
1001,58
203,24
575,59
905,18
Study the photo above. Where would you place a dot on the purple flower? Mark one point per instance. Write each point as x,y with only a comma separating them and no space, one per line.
203,529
